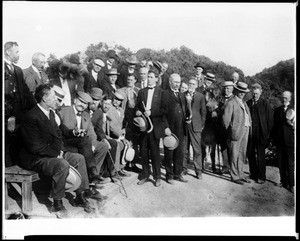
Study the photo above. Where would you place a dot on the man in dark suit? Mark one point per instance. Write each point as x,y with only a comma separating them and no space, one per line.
149,103
175,116
95,76
199,76
165,77
283,134
35,74
44,152
109,86
262,123
125,70
111,61
18,100
195,123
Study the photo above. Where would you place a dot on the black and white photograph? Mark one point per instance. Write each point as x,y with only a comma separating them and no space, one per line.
148,118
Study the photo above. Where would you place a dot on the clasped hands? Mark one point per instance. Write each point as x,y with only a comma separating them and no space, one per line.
79,132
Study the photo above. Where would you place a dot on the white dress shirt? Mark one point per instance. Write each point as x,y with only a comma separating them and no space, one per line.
149,98
65,86
78,118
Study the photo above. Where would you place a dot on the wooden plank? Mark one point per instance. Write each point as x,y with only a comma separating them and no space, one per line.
26,197
17,178
18,170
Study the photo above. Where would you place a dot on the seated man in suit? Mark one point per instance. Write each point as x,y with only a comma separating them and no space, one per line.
79,135
44,152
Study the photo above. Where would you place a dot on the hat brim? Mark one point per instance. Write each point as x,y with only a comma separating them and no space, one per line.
73,180
242,90
176,144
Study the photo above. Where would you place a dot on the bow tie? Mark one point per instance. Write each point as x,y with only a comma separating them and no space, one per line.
79,113
150,88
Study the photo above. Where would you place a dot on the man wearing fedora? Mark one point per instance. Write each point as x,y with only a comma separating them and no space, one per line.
262,123
199,73
195,124
283,135
237,121
175,123
150,104
226,95
44,152
79,135
128,68
35,74
110,86
95,76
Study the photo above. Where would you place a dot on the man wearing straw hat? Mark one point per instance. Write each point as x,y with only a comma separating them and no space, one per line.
237,121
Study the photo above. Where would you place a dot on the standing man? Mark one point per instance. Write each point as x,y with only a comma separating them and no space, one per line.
284,136
195,124
18,100
235,77
129,69
35,74
149,102
175,116
262,123
237,121
143,73
199,74
95,76
165,76
44,152
111,61
109,86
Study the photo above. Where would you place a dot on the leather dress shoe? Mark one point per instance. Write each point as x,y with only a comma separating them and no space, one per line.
59,209
94,194
93,174
142,181
180,179
246,180
199,175
238,181
123,173
225,170
157,182
170,181
184,172
135,169
80,201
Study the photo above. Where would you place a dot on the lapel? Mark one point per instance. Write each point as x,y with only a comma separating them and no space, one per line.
154,97
84,120
46,122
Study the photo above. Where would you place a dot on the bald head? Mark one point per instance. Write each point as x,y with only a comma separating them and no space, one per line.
235,77
286,97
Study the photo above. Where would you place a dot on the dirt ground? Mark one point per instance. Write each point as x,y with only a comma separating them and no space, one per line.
213,196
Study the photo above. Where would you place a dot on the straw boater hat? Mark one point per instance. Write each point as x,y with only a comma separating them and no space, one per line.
96,93
84,97
128,153
59,92
241,86
112,71
158,65
132,60
171,142
73,180
99,62
227,83
211,77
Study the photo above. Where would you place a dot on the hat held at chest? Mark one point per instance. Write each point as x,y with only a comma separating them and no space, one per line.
141,123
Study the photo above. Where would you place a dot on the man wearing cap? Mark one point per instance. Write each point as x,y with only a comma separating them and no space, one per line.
283,134
199,73
221,131
79,135
149,103
262,123
109,86
60,94
130,68
175,123
195,124
96,75
237,121
35,74
44,152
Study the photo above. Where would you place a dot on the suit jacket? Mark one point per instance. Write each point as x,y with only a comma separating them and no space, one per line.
74,85
108,89
165,81
282,132
97,121
90,82
122,78
69,123
265,118
198,112
32,79
26,99
116,123
41,138
234,118
158,110
176,112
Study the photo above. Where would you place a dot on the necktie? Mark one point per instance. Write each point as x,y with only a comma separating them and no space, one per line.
176,93
52,118
79,113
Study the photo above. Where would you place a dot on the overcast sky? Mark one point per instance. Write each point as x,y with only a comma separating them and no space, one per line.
249,36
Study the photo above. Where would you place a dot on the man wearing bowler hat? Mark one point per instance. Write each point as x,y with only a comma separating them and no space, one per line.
44,152
111,61
199,73
149,103
95,76
128,68
175,123
79,135
237,121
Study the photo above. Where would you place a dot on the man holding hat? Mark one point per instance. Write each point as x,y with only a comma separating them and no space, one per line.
95,76
130,68
79,135
175,123
199,73
237,121
109,86
150,104
44,152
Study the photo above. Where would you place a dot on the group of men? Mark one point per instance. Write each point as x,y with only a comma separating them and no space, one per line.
87,119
